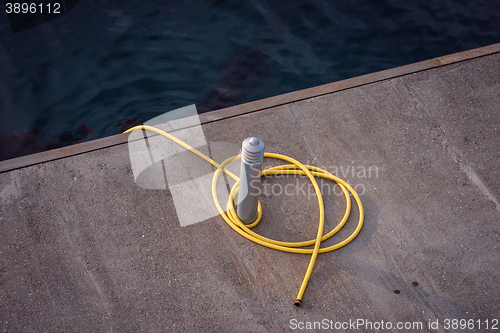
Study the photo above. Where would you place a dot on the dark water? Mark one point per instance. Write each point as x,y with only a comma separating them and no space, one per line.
108,65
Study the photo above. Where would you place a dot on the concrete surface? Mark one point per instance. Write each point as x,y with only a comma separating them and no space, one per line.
83,249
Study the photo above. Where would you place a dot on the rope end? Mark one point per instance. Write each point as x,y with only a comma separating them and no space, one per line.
297,302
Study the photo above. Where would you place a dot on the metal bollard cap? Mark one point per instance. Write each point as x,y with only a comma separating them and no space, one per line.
252,150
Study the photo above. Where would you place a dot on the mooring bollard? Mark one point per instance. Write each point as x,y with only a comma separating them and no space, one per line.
252,155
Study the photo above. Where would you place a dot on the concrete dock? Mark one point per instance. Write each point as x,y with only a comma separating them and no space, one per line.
83,248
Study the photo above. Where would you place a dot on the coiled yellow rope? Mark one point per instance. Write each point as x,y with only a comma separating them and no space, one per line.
296,168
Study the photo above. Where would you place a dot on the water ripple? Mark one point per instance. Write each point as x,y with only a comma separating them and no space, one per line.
107,65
